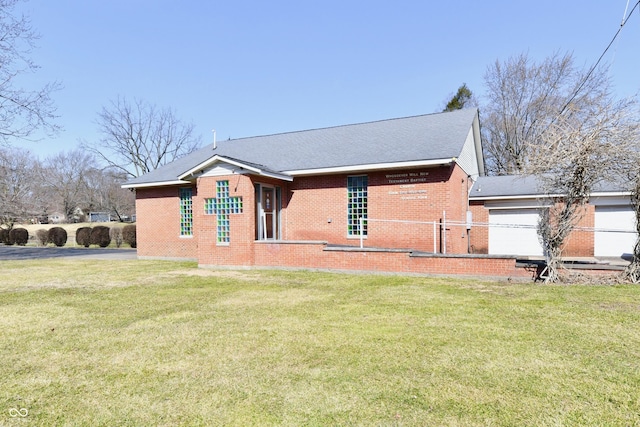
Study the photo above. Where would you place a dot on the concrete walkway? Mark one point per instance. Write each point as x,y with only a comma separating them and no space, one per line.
34,252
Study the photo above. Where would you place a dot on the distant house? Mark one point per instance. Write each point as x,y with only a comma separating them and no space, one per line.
59,217
388,195
56,218
99,217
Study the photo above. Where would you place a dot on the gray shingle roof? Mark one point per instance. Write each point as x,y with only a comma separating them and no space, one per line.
524,185
504,186
417,138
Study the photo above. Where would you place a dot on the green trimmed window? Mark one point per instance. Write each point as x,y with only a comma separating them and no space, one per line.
186,212
356,204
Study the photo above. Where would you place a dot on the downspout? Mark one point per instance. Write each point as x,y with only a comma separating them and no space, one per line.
469,216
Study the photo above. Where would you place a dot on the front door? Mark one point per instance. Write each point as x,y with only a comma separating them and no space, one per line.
268,200
267,212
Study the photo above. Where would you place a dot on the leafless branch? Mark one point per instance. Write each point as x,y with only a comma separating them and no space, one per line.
138,137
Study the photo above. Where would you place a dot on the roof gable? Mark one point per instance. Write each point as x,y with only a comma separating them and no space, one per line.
232,166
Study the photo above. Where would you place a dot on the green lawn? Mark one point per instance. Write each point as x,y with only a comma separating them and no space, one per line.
149,343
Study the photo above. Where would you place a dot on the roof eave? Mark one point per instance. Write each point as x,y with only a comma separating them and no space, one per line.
155,184
371,167
543,196
518,197
611,194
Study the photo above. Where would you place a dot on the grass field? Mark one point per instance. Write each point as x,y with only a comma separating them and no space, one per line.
141,343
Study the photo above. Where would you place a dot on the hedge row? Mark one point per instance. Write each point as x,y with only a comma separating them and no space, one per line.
15,236
101,235
85,236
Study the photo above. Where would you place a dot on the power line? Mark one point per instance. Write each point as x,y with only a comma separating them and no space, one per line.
586,78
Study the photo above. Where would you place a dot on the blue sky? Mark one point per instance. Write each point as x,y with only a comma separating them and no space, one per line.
250,68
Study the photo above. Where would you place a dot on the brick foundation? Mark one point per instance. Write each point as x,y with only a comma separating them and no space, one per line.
317,255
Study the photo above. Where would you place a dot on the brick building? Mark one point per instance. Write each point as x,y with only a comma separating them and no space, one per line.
391,195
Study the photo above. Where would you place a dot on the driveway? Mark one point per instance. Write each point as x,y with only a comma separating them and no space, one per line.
31,252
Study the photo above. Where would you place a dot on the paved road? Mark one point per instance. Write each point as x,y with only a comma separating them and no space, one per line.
31,252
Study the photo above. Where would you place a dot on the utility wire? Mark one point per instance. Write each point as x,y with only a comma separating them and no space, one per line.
593,68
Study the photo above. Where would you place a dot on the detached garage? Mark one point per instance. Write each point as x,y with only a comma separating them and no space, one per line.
511,206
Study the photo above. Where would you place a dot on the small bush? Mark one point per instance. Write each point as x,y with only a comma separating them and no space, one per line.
100,236
4,236
116,236
19,236
83,236
42,236
58,236
129,235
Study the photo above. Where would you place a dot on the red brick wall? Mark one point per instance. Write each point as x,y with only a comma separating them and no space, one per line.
239,250
158,224
317,209
314,208
479,235
457,206
314,256
582,243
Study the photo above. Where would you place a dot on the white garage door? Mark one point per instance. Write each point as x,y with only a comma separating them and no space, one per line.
614,243
514,232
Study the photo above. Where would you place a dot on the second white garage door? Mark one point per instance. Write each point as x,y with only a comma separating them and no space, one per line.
614,243
514,232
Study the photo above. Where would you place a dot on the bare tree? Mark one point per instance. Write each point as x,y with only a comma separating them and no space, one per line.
22,111
525,99
138,137
19,195
629,171
105,193
632,271
65,179
578,150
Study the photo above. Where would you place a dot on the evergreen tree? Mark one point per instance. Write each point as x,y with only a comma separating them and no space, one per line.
463,98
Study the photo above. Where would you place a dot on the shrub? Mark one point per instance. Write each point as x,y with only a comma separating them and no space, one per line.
116,236
83,236
4,236
100,236
58,236
42,236
129,235
19,236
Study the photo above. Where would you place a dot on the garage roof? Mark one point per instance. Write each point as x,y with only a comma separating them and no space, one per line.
525,186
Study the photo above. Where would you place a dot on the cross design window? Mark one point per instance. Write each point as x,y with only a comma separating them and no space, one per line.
223,206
